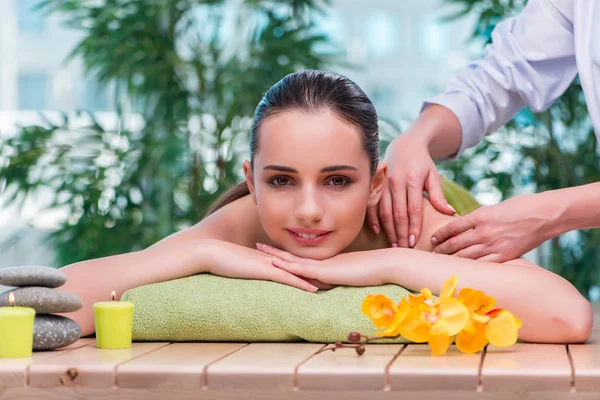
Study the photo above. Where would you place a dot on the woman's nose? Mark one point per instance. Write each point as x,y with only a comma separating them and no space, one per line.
309,206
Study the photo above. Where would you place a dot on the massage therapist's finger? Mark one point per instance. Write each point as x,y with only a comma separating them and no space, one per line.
458,243
433,186
493,257
387,216
415,211
473,252
400,211
282,276
373,219
452,228
282,254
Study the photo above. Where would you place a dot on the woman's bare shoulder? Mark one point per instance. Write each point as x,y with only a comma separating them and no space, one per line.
237,222
432,221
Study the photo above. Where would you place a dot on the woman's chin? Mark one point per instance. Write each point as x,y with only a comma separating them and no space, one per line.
314,253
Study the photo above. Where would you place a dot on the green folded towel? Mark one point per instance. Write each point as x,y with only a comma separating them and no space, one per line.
459,198
212,308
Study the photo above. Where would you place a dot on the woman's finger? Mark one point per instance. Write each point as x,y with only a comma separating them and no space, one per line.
292,268
458,243
282,276
282,254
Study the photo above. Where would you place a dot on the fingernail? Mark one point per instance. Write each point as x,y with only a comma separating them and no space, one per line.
313,288
411,241
277,260
451,208
260,246
433,240
394,244
376,229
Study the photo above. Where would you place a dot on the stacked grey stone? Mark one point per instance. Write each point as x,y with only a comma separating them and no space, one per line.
35,287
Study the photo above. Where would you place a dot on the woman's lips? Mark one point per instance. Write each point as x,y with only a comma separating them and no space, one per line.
309,236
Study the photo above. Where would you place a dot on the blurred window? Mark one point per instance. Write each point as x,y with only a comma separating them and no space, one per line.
32,91
29,20
432,37
382,35
96,96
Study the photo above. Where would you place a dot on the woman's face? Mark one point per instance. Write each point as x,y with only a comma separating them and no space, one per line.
311,182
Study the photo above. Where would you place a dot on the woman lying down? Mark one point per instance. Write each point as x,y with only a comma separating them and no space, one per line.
299,219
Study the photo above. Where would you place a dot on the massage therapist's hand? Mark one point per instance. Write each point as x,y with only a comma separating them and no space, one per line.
234,261
342,269
497,233
411,170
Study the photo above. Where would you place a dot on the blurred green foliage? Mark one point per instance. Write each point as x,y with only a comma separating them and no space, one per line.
187,76
549,150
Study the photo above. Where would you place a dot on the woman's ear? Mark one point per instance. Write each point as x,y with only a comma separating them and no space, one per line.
247,167
377,184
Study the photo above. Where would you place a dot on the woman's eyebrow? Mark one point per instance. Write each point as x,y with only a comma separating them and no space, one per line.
331,168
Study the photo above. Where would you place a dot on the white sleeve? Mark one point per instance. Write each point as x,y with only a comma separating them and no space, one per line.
531,61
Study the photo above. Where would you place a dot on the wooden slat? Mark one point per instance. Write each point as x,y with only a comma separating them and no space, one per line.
73,393
346,370
176,366
586,363
260,366
525,366
85,367
417,369
13,371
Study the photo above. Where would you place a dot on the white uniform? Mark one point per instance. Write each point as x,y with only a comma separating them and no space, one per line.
533,59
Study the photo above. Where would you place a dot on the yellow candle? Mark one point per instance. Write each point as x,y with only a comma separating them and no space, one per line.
16,330
114,322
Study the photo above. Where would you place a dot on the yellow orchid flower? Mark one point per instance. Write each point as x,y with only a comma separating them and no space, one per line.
380,308
478,305
487,323
435,322
471,317
421,319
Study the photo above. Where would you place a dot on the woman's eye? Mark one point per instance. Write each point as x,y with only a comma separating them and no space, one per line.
338,181
279,181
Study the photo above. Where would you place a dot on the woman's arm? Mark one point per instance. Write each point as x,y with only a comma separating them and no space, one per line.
94,280
552,310
218,244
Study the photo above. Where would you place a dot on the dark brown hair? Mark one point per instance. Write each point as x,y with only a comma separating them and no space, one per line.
312,91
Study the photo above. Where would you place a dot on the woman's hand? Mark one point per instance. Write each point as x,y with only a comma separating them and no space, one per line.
344,269
234,261
497,233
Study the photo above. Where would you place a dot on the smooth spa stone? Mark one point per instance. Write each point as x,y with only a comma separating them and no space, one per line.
54,331
43,300
32,276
